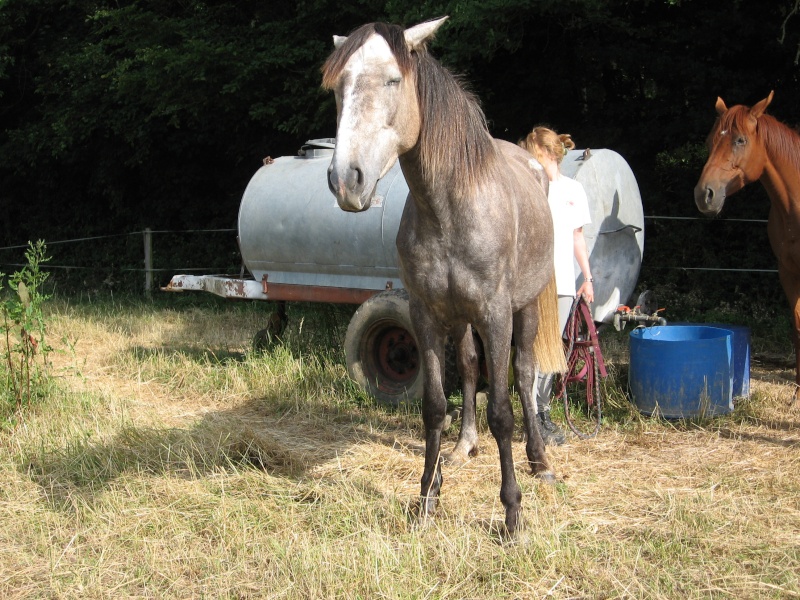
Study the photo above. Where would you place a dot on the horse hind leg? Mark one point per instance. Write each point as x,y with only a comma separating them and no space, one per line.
795,402
467,444
525,330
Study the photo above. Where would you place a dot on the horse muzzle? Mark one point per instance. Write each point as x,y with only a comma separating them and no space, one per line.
709,200
350,189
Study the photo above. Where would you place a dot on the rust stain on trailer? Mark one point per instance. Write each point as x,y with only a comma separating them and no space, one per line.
175,285
314,293
235,288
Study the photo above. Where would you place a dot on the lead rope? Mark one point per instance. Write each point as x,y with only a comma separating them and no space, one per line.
580,345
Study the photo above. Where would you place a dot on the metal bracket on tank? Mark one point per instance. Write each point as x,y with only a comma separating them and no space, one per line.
624,227
317,148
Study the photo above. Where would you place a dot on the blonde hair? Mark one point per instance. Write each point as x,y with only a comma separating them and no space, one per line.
544,141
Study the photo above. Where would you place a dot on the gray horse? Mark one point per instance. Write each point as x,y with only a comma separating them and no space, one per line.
475,242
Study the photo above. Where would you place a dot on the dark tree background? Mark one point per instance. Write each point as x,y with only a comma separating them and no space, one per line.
116,116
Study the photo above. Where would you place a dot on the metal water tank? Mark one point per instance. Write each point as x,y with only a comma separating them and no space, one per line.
291,231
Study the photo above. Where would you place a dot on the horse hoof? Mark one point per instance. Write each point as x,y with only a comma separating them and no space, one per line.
460,454
422,522
425,510
512,526
453,459
547,477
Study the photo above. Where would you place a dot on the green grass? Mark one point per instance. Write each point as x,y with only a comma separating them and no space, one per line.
172,461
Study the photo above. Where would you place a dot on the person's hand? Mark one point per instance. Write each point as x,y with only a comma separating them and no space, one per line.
587,291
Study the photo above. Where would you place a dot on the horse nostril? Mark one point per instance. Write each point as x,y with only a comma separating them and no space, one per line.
709,196
355,179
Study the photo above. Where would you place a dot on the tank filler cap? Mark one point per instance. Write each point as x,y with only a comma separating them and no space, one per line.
317,148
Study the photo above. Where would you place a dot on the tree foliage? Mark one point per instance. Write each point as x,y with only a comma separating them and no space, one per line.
121,115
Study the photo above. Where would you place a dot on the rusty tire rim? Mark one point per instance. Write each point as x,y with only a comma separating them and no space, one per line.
392,361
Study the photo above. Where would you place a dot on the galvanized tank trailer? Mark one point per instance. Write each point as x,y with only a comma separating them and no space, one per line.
300,246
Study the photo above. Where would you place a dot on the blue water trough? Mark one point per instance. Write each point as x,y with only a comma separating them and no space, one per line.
682,371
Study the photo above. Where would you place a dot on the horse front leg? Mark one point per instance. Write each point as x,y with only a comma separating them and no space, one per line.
795,403
467,445
434,404
791,287
496,335
526,324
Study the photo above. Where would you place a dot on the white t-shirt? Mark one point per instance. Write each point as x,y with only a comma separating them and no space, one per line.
570,209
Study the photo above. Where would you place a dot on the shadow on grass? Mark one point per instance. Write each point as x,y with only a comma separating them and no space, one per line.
762,438
284,445
202,356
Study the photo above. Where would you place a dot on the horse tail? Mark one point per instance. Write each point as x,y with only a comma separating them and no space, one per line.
548,347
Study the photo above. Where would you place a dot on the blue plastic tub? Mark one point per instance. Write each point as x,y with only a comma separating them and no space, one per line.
681,371
741,358
741,355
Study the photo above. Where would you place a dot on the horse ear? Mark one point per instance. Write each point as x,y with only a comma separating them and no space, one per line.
419,34
759,108
338,40
720,106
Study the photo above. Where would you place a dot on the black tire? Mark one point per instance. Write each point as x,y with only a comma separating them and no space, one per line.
382,353
381,350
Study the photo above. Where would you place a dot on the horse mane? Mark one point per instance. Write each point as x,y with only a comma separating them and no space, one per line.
454,136
779,138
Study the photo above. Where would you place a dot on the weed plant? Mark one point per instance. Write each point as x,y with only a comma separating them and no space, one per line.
24,365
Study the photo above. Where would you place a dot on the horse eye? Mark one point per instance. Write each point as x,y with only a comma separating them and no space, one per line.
741,141
394,81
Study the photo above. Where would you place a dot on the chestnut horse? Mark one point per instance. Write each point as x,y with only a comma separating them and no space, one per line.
748,145
475,242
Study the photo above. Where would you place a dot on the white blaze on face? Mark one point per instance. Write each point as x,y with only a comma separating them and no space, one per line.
368,98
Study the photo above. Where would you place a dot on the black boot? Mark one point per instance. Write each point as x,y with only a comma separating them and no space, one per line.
551,433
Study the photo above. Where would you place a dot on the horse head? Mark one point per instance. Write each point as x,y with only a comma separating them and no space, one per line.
378,118
736,155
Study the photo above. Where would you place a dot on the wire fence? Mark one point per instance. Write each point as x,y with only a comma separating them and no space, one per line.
148,258
134,262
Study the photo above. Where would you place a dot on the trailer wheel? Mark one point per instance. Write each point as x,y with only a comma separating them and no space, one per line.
381,350
382,353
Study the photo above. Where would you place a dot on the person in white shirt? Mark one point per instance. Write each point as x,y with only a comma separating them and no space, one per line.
570,209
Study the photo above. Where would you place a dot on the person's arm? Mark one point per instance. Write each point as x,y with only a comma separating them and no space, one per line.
582,256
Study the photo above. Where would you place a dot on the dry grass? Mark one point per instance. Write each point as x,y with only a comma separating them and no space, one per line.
176,464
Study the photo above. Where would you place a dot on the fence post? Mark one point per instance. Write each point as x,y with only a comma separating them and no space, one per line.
148,261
